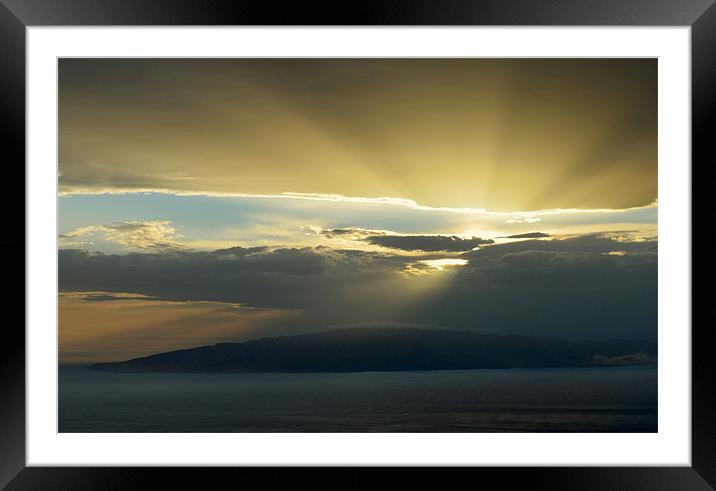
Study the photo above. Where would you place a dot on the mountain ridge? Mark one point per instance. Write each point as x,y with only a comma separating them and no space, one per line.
391,349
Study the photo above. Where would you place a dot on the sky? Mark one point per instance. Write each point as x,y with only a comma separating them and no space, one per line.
203,201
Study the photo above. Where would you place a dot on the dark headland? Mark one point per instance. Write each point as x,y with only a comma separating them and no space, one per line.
391,349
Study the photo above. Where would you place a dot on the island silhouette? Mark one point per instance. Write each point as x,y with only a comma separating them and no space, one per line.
392,349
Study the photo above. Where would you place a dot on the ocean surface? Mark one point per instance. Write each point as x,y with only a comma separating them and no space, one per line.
608,399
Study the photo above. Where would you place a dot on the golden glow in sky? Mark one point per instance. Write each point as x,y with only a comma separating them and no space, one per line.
495,134
210,200
441,264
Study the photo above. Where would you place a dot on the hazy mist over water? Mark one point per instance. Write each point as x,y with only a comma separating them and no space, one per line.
613,399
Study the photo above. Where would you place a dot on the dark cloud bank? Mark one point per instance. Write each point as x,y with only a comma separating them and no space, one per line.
419,243
529,235
427,243
588,286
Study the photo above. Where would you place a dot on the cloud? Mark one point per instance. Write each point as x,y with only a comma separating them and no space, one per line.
565,286
569,287
405,242
258,276
529,235
428,243
94,328
106,296
594,243
523,219
350,233
426,130
152,235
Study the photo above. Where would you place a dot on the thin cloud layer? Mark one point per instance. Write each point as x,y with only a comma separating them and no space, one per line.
528,235
428,243
111,326
405,242
153,235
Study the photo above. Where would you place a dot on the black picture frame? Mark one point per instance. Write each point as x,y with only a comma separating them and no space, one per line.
16,15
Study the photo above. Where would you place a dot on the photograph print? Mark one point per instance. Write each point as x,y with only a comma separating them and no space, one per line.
357,245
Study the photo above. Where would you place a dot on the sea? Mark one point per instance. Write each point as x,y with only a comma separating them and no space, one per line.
600,399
